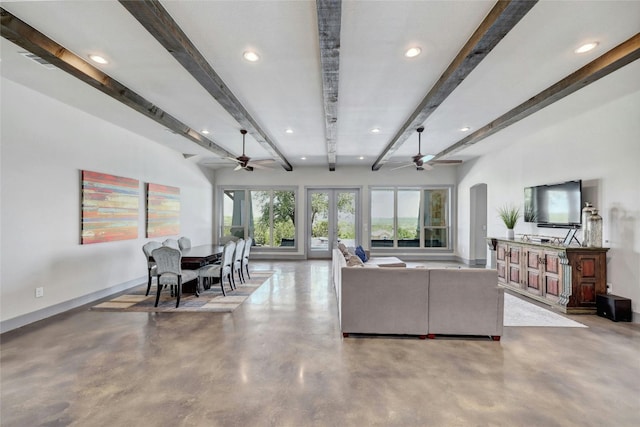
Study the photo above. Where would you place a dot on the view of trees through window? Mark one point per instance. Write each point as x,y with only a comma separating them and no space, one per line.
396,217
271,216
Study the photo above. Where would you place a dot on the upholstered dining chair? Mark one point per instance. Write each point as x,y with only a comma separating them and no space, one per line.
184,243
172,243
169,271
222,270
245,257
147,248
237,262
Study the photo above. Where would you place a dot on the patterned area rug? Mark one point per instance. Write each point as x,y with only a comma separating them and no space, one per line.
211,300
518,312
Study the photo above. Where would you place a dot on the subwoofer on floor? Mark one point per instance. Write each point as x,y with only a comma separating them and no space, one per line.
614,307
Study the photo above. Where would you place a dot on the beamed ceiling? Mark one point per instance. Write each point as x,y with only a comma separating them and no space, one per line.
329,71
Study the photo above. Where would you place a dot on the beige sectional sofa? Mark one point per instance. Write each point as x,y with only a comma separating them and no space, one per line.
418,301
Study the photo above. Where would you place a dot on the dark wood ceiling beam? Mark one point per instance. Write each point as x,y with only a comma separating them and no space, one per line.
157,21
606,64
329,22
500,20
27,37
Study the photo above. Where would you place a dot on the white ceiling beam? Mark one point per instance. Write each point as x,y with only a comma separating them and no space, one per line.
329,21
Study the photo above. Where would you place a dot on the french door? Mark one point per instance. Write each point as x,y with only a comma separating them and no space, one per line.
332,217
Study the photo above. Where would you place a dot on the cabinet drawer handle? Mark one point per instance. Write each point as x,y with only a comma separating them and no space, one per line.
579,267
542,261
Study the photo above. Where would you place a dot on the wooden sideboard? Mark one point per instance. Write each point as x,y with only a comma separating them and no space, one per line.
568,278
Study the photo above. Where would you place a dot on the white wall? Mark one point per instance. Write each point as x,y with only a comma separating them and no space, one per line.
361,177
45,145
593,135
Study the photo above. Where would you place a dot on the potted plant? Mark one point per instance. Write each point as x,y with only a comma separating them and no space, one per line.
509,215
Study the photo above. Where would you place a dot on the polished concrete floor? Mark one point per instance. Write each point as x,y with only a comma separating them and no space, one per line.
280,360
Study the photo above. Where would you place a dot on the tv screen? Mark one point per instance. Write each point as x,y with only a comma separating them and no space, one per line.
554,205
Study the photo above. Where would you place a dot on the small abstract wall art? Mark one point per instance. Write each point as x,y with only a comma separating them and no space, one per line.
110,208
163,210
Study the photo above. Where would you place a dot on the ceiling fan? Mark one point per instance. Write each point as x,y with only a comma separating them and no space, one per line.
420,161
244,162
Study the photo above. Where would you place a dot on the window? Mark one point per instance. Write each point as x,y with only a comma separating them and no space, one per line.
410,217
266,215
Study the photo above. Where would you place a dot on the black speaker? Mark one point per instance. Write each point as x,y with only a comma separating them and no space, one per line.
614,307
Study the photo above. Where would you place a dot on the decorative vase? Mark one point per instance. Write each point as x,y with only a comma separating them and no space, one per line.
593,230
586,213
510,233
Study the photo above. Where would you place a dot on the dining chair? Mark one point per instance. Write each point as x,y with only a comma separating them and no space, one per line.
245,256
184,243
147,248
172,243
222,270
237,261
169,271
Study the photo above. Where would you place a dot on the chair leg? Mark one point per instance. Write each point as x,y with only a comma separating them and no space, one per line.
224,294
232,281
149,284
158,293
179,291
246,266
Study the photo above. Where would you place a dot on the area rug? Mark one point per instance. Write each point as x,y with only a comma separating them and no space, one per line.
518,312
211,300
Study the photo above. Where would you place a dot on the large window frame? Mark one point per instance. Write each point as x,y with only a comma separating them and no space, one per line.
431,229
243,221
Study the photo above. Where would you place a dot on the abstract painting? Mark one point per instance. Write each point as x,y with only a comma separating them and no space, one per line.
110,206
163,210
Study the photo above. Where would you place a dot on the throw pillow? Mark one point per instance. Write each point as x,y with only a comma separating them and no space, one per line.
361,254
343,249
354,261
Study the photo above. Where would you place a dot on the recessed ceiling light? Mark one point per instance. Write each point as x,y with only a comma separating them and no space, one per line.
361,157
99,59
465,129
586,47
288,130
205,132
375,130
303,158
412,52
251,56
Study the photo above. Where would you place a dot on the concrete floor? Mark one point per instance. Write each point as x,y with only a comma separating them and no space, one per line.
280,360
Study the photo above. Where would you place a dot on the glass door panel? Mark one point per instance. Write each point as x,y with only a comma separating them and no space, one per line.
331,218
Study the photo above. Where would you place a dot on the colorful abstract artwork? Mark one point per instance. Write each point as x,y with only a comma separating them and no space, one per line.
163,210
110,206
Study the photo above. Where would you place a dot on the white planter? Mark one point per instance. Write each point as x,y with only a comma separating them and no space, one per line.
510,233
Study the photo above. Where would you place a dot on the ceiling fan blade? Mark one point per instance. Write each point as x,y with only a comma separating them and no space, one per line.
427,167
237,168
447,162
233,159
258,166
404,166
263,162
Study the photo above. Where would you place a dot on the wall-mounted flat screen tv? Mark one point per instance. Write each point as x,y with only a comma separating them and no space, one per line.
554,205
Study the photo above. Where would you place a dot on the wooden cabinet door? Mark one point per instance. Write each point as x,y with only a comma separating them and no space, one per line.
533,273
514,266
589,277
552,277
501,262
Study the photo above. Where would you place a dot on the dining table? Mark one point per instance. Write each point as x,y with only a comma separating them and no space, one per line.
197,257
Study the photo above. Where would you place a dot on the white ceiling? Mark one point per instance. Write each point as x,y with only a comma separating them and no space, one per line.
378,87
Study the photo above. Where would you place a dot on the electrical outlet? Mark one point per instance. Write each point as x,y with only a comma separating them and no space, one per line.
39,292
609,288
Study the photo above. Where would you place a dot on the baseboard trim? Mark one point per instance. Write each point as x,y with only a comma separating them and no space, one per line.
43,313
